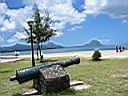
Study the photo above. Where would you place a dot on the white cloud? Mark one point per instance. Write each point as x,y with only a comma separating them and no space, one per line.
66,13
59,33
19,16
18,36
114,8
16,18
75,27
60,10
1,40
8,25
3,9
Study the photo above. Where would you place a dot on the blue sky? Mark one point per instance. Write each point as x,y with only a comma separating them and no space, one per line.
80,20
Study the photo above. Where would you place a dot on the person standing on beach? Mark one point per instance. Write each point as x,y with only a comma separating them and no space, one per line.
117,48
123,48
120,48
16,53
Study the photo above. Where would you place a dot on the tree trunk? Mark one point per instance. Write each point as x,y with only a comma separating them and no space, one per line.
41,56
40,50
37,51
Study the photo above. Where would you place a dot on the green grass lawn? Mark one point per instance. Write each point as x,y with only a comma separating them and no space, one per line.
107,78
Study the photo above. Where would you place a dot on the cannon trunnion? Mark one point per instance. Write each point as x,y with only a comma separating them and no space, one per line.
50,78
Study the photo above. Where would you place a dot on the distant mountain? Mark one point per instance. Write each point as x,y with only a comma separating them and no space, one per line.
15,47
23,47
93,43
51,45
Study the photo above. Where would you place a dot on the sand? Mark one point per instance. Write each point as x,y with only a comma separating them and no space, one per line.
9,60
106,54
88,54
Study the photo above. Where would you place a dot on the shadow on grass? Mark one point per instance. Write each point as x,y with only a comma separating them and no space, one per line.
17,94
66,92
48,60
63,92
98,60
5,71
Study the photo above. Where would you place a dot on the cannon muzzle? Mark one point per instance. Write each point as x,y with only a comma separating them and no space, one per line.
24,75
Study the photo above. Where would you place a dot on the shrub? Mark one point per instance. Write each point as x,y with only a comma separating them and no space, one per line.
96,55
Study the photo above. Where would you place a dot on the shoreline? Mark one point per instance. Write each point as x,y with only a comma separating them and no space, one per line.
106,54
110,54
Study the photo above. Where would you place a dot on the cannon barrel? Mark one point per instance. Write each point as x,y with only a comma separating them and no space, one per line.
24,75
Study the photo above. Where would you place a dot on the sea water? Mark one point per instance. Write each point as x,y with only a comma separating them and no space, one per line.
59,50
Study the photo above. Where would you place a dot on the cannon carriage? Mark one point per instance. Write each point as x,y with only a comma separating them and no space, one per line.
47,78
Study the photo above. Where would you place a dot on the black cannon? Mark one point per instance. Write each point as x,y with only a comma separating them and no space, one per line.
50,77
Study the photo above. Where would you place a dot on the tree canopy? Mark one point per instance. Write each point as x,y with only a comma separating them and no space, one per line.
41,29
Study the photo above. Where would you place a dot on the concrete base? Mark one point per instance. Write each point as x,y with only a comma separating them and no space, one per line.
32,92
79,85
76,85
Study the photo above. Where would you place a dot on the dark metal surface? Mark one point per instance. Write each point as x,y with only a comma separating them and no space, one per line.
52,79
24,75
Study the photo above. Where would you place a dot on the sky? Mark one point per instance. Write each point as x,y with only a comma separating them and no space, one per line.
77,21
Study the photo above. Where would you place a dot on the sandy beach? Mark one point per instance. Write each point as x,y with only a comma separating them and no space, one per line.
9,60
88,54
106,54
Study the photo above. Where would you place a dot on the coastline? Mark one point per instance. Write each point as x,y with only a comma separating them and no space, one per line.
106,54
110,54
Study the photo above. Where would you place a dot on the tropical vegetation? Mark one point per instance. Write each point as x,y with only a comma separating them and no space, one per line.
42,31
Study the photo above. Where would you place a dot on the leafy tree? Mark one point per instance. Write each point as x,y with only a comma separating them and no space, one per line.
28,39
47,32
42,32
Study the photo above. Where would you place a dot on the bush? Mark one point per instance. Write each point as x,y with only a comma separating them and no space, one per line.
96,55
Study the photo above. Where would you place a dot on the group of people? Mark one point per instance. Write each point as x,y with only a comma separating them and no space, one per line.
120,48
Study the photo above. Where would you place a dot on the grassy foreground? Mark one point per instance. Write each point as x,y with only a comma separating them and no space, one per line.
106,77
